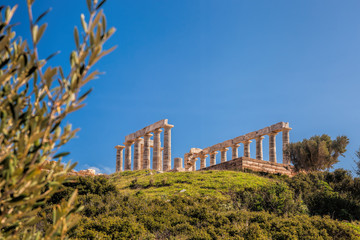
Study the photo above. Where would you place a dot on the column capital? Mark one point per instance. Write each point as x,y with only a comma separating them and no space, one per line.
147,135
286,129
203,156
214,153
139,139
273,133
159,130
224,149
259,138
236,145
247,141
128,143
168,126
119,147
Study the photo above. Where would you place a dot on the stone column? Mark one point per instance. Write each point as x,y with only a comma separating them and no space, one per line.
213,158
272,146
141,153
234,148
247,148
259,148
178,164
137,154
167,148
223,154
146,160
128,155
186,162
119,158
157,150
285,144
193,161
161,158
203,161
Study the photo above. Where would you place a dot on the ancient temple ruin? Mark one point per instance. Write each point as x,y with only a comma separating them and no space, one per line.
161,157
142,147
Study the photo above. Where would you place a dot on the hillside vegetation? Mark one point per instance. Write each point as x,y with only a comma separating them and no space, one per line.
214,205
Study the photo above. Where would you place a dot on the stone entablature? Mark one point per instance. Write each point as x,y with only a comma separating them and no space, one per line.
191,157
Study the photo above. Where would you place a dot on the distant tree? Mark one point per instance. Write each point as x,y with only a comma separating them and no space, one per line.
34,101
357,170
317,153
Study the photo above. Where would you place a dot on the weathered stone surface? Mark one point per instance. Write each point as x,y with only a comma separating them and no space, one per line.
157,151
119,158
146,160
167,148
147,129
243,163
278,127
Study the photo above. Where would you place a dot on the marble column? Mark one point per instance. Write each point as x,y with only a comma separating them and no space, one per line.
128,155
187,162
247,148
203,161
161,158
157,150
213,158
119,158
259,148
142,153
285,144
193,162
223,154
178,163
234,148
146,160
137,154
272,146
167,148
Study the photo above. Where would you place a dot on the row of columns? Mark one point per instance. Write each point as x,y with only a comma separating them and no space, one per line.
259,150
142,152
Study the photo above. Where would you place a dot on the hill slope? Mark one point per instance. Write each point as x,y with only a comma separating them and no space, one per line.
201,205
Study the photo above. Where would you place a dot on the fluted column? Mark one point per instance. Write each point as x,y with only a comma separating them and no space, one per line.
178,163
213,158
167,148
187,162
157,150
161,157
223,154
235,153
272,147
141,153
247,148
128,155
193,164
119,158
137,154
203,161
285,144
259,148
146,160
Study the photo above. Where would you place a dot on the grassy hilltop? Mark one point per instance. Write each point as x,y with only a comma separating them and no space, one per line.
216,205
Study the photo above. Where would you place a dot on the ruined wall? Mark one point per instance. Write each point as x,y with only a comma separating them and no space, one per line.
242,163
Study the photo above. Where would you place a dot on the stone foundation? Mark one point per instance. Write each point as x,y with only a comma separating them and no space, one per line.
245,163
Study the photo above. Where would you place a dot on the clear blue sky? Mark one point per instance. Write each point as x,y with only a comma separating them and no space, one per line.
215,69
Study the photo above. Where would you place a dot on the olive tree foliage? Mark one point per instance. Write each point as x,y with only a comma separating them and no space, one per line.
35,98
317,153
